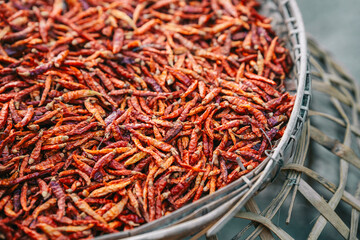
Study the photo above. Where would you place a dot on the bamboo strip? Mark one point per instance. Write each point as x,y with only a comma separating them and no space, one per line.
354,225
344,166
354,129
266,222
301,154
335,147
328,89
347,197
321,205
334,79
251,206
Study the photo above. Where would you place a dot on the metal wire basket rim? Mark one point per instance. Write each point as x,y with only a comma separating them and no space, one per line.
301,85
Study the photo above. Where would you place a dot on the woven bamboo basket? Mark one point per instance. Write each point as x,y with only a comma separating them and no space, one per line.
212,212
327,153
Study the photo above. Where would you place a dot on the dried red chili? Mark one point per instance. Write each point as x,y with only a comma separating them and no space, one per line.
125,112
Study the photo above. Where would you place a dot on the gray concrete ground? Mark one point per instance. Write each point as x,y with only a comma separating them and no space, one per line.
336,26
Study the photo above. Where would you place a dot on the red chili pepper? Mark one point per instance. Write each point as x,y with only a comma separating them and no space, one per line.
4,114
127,124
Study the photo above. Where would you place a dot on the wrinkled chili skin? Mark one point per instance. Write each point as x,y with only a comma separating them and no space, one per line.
114,115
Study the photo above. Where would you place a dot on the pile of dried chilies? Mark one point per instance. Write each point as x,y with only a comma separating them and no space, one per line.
116,113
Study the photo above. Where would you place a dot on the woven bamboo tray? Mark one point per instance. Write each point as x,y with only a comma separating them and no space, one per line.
325,156
212,212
